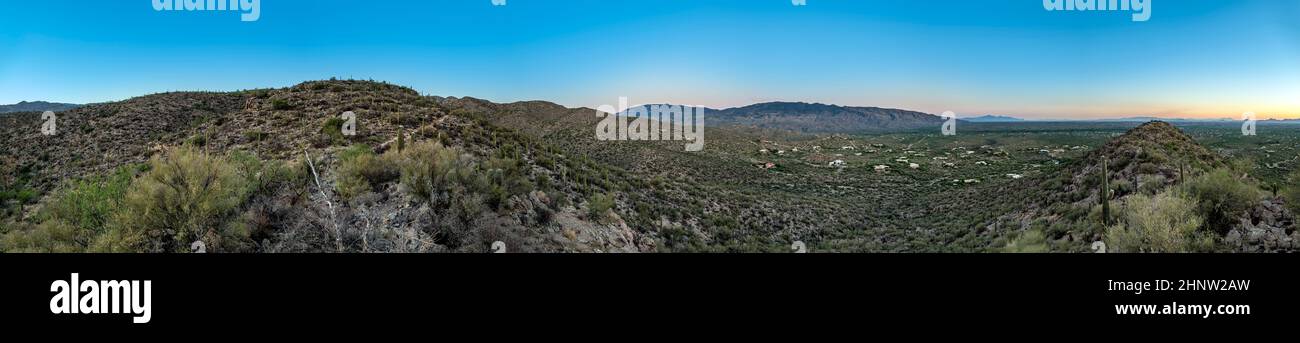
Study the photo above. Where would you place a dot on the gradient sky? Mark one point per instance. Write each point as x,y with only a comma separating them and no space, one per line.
1193,58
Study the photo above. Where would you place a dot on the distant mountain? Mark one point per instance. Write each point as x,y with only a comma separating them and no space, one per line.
1171,120
37,106
806,117
992,119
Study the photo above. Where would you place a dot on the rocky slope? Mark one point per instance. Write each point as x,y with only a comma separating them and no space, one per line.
288,124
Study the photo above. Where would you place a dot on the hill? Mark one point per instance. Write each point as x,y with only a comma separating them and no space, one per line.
458,184
992,119
1153,189
36,106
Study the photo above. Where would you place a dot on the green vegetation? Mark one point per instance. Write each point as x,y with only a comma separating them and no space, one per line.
1032,241
360,170
332,130
1164,223
177,199
1105,191
280,105
599,205
1222,198
79,214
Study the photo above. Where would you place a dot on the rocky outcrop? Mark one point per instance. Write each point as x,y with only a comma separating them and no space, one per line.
1267,227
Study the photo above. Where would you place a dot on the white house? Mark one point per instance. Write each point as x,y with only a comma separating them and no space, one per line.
837,163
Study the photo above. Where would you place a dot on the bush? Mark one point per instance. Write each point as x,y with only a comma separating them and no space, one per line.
280,105
1165,223
1222,198
1032,241
1291,192
332,129
78,214
429,171
505,179
599,205
267,176
360,170
180,200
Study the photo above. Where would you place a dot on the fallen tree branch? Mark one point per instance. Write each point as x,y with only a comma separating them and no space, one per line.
338,234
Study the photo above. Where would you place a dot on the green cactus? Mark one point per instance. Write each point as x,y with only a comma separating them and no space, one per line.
1105,192
401,139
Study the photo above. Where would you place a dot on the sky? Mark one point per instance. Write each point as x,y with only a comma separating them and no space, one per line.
1191,59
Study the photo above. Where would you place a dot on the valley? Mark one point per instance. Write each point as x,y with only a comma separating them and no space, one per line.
440,174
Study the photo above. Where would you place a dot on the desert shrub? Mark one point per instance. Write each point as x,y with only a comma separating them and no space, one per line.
1290,193
197,140
255,136
1222,198
332,129
429,171
360,170
180,200
599,205
267,176
1164,223
78,214
1151,184
1032,241
505,178
280,105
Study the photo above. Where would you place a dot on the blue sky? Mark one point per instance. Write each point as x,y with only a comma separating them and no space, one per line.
1193,58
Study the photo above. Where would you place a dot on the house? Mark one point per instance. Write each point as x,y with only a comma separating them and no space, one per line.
981,163
847,147
837,164
972,181
881,168
762,151
1015,176
769,165
913,165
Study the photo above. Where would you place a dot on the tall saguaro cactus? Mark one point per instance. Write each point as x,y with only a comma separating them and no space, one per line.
401,139
1105,191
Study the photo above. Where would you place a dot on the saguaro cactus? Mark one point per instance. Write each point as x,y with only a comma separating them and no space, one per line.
1105,191
401,139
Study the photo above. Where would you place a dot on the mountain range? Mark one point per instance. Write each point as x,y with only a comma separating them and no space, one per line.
37,106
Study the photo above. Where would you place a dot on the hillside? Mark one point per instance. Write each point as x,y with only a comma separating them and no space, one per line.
502,186
1150,170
